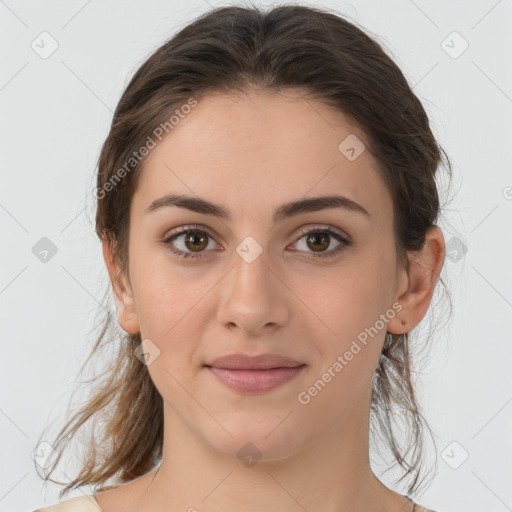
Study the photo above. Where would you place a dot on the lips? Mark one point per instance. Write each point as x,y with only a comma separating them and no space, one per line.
254,374
254,362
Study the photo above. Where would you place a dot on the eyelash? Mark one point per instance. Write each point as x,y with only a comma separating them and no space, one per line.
344,243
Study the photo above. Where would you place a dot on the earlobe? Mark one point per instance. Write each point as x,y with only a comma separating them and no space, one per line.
123,293
420,281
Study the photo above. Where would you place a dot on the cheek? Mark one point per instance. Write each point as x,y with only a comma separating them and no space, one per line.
352,309
164,294
169,316
170,304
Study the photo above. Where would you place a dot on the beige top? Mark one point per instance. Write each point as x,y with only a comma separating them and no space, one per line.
88,503
85,503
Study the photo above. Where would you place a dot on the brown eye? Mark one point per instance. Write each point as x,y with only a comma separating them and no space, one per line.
188,242
195,241
319,241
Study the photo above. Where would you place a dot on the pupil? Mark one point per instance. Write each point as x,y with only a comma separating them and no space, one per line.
314,239
192,238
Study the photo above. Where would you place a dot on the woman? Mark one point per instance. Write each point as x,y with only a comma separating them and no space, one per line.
266,206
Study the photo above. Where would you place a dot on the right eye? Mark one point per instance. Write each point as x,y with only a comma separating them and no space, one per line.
192,238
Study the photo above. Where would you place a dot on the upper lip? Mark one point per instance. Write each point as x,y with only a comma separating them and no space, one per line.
254,362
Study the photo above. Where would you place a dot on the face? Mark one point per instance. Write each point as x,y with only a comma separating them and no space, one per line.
310,284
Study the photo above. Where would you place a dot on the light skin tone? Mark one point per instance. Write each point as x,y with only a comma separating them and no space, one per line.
250,154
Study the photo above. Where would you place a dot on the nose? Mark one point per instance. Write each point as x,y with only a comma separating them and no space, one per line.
254,298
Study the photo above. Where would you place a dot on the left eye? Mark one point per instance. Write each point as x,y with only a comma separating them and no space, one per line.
320,238
195,238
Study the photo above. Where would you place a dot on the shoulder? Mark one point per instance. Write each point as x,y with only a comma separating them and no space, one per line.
85,503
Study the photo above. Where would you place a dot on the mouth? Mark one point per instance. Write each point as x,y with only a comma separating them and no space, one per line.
253,380
243,361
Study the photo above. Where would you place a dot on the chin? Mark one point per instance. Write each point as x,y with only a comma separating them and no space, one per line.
258,441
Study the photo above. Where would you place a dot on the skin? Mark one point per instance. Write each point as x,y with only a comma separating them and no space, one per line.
251,153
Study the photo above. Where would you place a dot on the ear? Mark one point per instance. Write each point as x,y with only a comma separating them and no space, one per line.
416,285
123,293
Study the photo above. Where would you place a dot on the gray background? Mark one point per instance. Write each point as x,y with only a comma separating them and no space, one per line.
55,114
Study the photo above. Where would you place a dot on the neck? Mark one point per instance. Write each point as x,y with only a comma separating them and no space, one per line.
331,472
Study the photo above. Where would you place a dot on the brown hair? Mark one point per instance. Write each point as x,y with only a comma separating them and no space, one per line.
231,49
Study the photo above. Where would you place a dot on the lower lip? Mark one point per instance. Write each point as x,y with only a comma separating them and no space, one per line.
255,380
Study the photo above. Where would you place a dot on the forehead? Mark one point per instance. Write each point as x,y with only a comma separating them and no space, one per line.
264,149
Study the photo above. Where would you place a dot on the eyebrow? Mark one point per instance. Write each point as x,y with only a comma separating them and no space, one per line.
287,210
